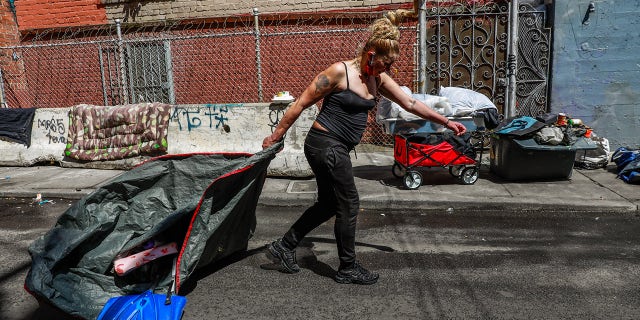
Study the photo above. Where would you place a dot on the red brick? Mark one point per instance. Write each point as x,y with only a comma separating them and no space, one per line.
35,14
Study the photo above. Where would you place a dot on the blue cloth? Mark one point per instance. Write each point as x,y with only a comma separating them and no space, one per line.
519,126
628,164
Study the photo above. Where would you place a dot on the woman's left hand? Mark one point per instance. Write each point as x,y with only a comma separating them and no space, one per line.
457,127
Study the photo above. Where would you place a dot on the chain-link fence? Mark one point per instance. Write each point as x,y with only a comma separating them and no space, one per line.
244,59
236,60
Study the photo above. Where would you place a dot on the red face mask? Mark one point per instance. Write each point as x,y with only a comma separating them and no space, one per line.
368,67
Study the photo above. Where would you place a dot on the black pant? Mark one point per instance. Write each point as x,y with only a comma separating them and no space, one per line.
337,195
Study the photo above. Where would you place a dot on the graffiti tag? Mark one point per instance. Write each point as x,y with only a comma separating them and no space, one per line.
54,130
211,115
274,118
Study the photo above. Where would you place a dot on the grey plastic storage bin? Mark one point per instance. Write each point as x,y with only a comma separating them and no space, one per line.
525,159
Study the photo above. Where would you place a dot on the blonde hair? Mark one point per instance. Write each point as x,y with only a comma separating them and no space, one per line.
385,35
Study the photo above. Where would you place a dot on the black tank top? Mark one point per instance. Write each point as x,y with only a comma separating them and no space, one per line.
344,114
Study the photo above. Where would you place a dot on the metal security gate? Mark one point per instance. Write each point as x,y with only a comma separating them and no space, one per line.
467,46
147,73
534,56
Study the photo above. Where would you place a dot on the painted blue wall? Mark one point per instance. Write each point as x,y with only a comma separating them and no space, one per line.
596,67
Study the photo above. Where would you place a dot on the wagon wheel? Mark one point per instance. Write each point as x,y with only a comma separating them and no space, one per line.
413,180
398,170
469,175
456,171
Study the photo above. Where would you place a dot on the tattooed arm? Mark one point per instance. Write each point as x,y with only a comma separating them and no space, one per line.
391,90
325,82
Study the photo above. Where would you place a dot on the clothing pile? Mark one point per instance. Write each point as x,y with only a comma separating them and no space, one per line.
16,124
628,164
550,129
558,129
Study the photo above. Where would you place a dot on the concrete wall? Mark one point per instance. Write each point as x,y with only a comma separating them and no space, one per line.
240,128
596,67
48,140
193,128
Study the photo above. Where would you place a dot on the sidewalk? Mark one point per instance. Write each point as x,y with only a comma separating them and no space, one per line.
588,191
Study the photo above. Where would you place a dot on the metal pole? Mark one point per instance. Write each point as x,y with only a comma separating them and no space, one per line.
3,103
512,59
102,77
123,69
169,65
258,61
439,50
422,47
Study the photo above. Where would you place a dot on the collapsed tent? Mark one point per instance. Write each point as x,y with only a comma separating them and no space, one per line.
205,203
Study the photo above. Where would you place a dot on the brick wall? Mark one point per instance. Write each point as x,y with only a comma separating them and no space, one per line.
147,11
13,78
35,14
39,14
8,28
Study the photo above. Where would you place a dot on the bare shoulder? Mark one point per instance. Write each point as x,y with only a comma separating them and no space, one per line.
332,77
337,70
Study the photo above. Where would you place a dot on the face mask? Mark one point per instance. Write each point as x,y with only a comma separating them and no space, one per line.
368,67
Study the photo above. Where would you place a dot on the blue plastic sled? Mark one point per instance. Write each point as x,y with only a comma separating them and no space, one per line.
144,306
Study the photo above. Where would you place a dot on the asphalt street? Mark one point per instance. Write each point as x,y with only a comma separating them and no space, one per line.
433,265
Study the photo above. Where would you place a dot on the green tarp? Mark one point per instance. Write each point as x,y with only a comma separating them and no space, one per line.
204,202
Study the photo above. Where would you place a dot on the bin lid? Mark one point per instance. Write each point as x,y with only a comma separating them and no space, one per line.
580,144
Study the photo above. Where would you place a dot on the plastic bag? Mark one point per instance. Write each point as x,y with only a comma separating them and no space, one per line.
464,101
628,164
388,109
549,135
594,159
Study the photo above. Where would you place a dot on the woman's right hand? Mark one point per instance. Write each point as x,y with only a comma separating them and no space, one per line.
269,141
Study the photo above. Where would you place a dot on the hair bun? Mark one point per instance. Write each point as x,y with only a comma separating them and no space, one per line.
396,17
383,28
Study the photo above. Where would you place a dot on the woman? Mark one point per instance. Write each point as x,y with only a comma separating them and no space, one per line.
350,89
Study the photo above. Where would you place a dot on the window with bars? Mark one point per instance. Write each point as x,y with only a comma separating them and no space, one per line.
140,73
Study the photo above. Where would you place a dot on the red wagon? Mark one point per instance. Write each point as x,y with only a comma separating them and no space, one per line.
459,154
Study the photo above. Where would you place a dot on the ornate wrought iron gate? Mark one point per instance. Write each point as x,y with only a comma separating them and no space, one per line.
534,50
467,47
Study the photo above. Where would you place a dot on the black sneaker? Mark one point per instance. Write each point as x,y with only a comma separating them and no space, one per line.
356,275
286,257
